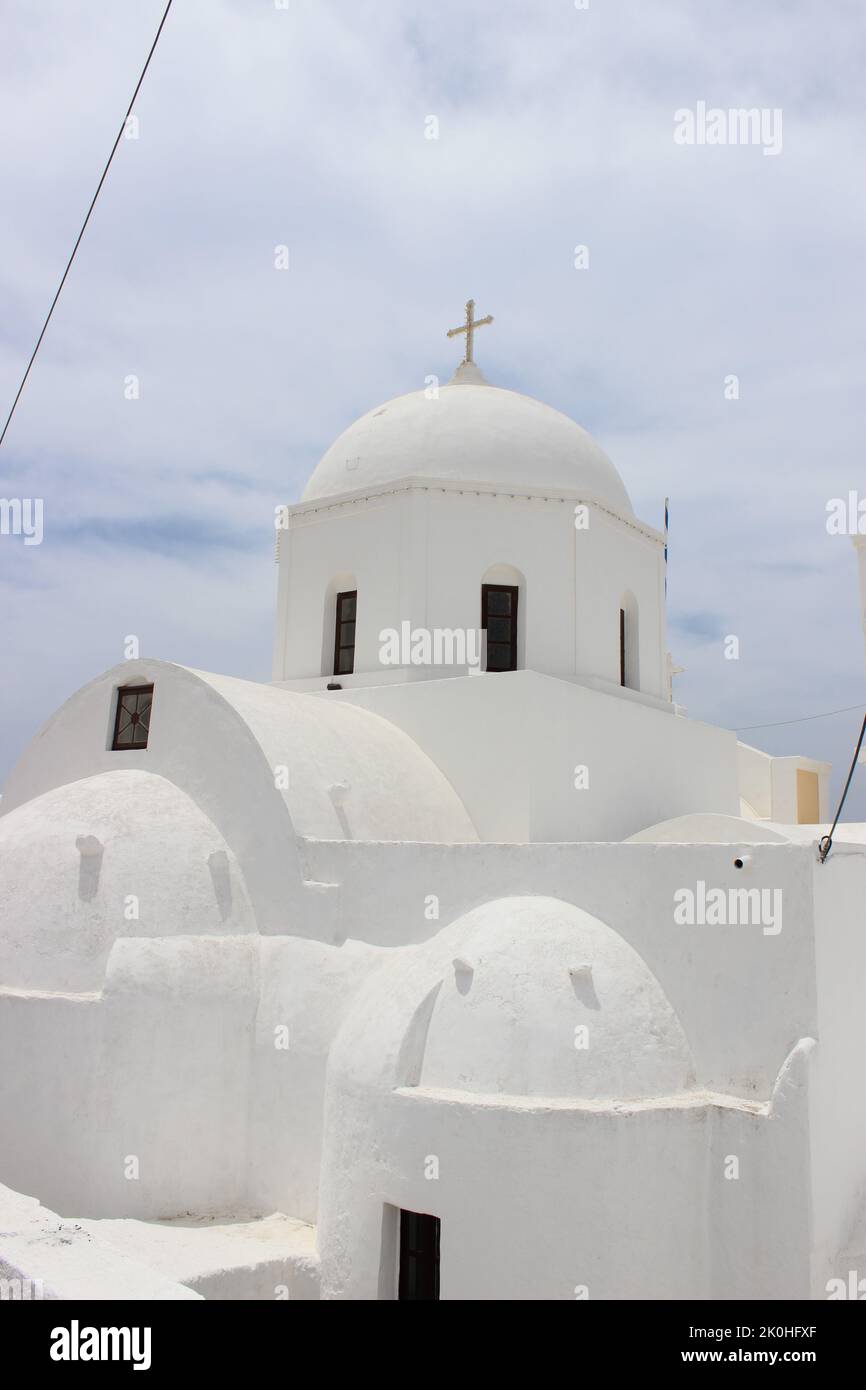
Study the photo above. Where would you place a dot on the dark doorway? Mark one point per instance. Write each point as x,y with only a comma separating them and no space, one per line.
419,1255
499,621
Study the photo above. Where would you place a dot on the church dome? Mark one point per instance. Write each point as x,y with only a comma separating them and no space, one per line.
529,997
469,433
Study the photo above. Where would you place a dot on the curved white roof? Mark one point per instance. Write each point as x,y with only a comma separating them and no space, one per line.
491,1006
351,775
74,857
707,828
471,434
346,773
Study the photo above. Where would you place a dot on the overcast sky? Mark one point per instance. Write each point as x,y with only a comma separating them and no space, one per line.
305,126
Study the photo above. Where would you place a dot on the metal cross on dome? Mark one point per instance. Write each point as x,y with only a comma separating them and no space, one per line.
469,328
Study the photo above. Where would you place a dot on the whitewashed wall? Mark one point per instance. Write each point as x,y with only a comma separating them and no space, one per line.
422,552
509,744
540,1195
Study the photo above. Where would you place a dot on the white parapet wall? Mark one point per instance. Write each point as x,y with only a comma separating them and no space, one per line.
790,790
44,1256
534,757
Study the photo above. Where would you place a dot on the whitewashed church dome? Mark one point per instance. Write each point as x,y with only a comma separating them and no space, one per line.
469,432
528,997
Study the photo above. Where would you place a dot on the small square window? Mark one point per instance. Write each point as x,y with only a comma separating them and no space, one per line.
132,721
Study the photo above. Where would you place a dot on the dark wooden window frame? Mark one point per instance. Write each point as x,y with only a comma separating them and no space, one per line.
339,623
514,591
418,1274
122,692
622,637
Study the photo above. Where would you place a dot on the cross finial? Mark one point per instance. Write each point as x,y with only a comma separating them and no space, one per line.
469,328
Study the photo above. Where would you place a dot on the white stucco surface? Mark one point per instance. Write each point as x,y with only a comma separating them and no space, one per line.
314,956
536,758
270,1257
101,849
467,433
46,1257
491,1005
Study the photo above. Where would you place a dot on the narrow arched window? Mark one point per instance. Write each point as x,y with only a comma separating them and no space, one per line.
629,674
499,621
344,633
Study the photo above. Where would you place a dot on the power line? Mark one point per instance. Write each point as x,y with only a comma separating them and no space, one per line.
85,222
744,729
826,843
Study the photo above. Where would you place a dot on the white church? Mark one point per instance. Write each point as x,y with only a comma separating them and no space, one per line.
455,962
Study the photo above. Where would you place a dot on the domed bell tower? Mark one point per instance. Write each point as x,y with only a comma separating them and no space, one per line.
463,529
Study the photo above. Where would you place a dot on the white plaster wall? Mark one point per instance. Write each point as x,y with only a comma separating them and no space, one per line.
420,555
755,779
509,744
759,1224
718,979
155,1069
306,988
541,1193
106,1078
50,1129
609,560
536,1201
363,541
838,1094
177,1063
769,784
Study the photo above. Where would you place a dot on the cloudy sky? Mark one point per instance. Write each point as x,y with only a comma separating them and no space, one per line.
306,126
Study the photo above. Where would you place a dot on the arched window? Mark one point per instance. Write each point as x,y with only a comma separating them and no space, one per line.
502,614
629,672
344,632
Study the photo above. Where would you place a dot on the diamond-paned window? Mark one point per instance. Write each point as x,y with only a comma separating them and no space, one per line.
132,722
